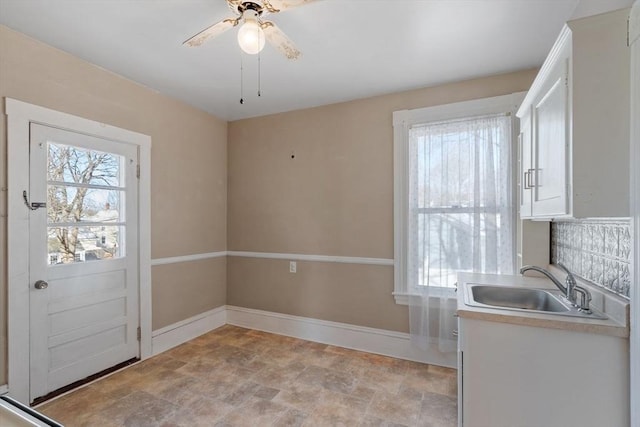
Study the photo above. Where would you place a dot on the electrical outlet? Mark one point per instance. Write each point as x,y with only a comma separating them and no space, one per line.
292,267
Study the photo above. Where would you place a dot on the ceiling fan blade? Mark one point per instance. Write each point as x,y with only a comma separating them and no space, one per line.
274,6
212,31
280,41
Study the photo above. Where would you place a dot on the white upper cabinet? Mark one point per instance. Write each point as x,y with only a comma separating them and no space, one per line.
574,141
548,176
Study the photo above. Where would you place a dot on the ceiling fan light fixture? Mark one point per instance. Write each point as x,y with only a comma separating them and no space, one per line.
250,35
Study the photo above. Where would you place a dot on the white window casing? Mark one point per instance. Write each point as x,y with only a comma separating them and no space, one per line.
402,122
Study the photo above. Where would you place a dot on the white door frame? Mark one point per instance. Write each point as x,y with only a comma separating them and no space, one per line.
19,115
634,354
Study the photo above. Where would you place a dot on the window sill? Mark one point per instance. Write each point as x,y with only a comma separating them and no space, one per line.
402,298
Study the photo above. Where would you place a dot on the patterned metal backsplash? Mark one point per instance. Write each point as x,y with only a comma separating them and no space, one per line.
596,250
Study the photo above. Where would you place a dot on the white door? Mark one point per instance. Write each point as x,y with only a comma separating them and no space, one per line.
551,136
83,256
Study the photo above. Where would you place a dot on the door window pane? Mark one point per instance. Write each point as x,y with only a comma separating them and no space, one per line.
80,244
84,186
83,166
75,204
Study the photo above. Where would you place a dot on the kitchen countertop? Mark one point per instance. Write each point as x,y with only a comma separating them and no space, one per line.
612,326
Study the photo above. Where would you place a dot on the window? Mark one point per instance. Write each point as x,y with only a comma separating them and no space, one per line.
85,199
454,192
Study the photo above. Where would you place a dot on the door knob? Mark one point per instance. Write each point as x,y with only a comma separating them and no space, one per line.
41,284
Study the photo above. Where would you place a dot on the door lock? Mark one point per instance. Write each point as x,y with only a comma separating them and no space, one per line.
32,206
41,284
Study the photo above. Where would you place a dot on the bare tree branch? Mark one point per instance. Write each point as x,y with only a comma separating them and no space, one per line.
69,204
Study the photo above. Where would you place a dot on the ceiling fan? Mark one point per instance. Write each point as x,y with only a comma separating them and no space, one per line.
254,29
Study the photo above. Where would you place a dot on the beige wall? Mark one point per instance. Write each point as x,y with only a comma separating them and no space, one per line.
354,294
188,161
173,302
334,198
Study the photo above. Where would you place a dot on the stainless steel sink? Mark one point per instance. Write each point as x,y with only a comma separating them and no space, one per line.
523,299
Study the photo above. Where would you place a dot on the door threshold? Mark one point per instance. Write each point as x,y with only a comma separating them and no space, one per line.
79,383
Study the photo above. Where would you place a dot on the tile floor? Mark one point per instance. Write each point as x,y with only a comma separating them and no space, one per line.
240,377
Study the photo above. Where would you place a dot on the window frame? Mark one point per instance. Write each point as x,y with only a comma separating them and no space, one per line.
94,145
403,120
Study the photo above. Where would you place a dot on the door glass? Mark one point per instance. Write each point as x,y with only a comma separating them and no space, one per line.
85,205
94,204
82,166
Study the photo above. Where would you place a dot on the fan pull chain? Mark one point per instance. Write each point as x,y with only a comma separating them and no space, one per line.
259,36
241,80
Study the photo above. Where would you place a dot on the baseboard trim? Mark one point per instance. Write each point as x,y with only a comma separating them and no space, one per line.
178,333
371,340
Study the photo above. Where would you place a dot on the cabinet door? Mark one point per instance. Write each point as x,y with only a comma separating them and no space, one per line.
550,146
527,376
526,167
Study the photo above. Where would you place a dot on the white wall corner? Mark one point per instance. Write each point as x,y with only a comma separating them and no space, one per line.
634,356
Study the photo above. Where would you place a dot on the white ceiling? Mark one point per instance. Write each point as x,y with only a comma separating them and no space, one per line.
351,48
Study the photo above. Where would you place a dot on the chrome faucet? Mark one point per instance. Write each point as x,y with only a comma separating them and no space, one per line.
571,288
585,299
570,281
551,277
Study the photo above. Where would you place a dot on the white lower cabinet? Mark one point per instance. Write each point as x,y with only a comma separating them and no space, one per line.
520,376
